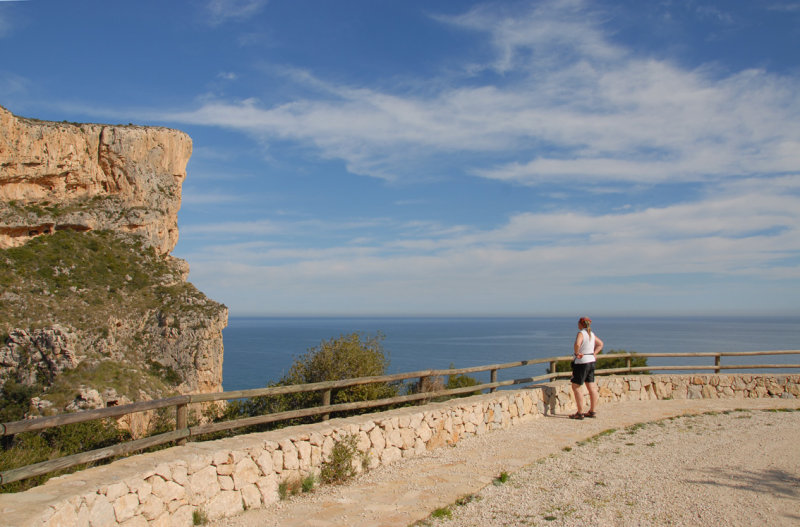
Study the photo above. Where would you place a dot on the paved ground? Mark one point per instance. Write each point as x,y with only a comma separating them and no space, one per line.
409,490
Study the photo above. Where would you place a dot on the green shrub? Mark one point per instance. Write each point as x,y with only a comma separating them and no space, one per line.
341,465
15,400
605,363
33,447
347,357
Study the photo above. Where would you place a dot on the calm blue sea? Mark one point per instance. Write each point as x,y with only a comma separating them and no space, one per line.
260,350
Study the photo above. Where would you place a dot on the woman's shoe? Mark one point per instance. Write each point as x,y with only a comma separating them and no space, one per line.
576,415
590,414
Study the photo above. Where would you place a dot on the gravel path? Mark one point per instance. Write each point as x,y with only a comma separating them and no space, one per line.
730,468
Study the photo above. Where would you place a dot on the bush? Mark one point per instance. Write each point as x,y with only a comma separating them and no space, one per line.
33,447
347,357
605,363
341,465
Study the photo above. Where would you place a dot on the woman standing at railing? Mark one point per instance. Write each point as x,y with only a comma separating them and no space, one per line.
587,344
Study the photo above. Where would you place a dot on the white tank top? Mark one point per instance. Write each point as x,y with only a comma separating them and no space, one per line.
587,348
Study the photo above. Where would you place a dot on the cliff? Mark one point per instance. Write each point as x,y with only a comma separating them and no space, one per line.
93,309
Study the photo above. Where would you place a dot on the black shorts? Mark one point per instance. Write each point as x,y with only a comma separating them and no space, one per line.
582,373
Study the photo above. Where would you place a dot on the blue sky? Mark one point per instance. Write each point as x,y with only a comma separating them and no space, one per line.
379,157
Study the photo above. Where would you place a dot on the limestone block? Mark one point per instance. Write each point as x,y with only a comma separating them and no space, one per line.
251,497
415,420
303,450
634,385
115,491
152,508
277,459
708,392
222,457
167,490
227,503
247,472
377,439
316,455
197,462
364,442
367,426
290,459
164,470
82,517
125,507
165,520
316,439
101,513
264,463
65,516
408,437
136,521
225,470
225,483
695,392
268,487
404,421
425,433
180,475
204,485
390,455
182,517
394,438
470,428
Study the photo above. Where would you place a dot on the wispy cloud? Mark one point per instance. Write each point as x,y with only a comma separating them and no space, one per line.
577,107
743,232
221,11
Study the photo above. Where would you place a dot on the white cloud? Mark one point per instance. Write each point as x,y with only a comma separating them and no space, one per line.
578,107
745,234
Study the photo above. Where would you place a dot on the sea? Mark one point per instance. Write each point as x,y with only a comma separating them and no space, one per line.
260,350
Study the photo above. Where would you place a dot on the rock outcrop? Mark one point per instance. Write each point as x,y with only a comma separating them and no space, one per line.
56,176
91,301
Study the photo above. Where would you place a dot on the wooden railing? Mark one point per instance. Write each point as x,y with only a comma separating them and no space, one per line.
181,403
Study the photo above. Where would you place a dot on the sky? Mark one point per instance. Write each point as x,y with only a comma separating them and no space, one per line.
378,157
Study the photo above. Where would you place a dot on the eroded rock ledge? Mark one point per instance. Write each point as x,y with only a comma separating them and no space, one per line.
57,176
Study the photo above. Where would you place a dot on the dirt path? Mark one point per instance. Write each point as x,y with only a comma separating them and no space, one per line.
743,466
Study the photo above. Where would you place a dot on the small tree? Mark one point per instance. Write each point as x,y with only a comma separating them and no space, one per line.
346,357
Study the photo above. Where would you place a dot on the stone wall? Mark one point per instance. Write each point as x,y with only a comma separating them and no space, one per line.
224,477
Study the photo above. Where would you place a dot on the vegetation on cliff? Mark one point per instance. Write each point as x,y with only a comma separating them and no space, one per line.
101,289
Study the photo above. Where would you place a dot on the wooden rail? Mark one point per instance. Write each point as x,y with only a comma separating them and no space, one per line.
182,431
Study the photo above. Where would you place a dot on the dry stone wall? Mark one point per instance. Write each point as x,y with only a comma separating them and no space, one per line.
222,478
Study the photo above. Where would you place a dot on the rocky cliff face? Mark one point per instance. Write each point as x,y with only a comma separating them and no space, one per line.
58,176
91,302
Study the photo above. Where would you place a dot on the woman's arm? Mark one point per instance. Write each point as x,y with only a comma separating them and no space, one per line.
598,344
577,345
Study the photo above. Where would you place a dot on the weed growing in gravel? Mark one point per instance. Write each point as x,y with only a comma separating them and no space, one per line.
442,513
469,498
199,517
502,478
308,483
567,449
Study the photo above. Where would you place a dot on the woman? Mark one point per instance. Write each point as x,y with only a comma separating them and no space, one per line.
587,344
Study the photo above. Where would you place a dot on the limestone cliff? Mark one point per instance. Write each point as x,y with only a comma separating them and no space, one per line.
91,302
56,176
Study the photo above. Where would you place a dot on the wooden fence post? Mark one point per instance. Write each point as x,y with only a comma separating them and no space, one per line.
553,368
181,420
717,361
628,363
326,401
493,379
